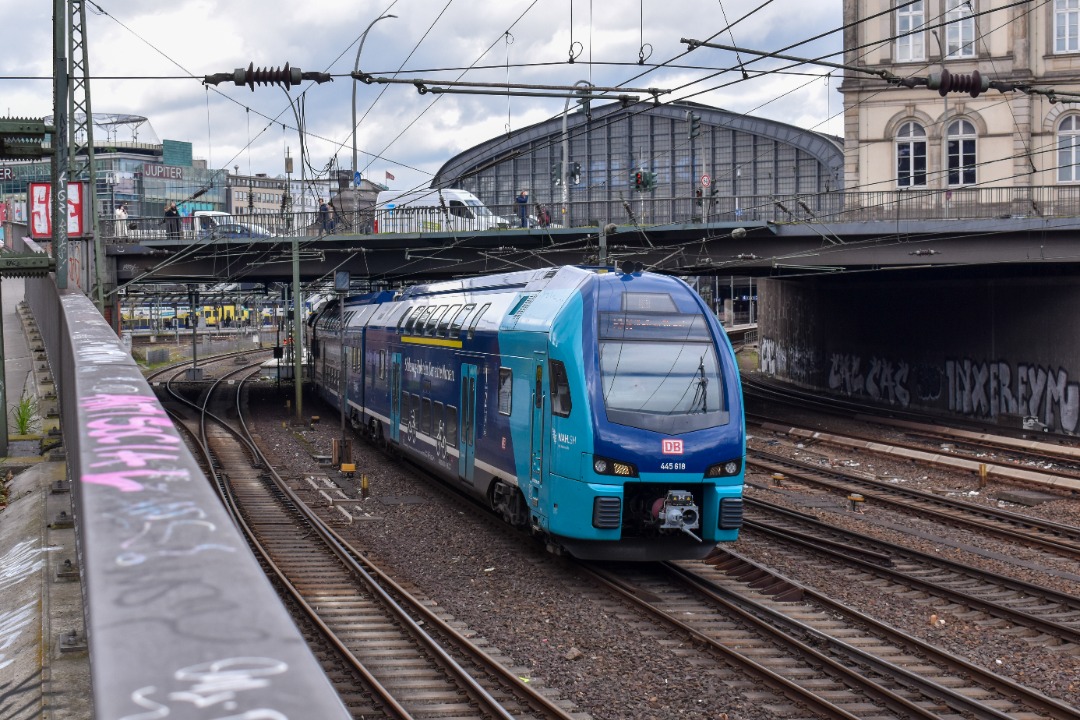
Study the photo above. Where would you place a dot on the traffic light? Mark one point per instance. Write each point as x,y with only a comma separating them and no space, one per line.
650,180
575,173
695,124
639,180
697,193
556,173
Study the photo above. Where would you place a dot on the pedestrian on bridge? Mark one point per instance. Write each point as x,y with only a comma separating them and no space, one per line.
120,220
172,221
326,222
523,207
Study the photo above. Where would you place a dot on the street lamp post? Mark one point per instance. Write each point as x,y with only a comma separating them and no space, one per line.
356,69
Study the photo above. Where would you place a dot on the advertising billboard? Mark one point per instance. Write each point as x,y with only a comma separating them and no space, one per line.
40,205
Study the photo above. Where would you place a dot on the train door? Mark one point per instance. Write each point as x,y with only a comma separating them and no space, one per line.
395,398
467,424
537,437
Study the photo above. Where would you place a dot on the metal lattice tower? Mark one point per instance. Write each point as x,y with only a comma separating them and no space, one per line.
81,128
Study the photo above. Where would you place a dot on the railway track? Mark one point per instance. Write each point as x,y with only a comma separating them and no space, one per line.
1014,454
1056,538
1051,617
173,371
818,654
389,653
926,669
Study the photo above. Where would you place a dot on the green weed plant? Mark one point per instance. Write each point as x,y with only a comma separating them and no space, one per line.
24,415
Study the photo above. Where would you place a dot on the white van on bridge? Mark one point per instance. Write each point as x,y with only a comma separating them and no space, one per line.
433,210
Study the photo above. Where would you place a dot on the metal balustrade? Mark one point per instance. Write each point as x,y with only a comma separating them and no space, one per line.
645,209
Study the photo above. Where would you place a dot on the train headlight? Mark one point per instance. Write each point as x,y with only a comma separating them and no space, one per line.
606,466
728,468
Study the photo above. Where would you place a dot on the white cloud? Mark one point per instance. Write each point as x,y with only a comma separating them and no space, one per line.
140,53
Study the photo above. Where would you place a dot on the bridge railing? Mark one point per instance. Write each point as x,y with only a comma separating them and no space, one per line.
180,619
644,208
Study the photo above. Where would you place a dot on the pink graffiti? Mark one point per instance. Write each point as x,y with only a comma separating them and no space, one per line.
133,404
112,431
124,482
132,433
132,458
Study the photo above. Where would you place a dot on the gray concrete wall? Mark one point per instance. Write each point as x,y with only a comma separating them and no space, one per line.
990,349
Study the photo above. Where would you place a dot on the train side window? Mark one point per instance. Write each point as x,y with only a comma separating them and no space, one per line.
444,320
433,321
451,425
418,328
506,386
425,416
404,316
459,319
560,389
476,318
382,364
416,313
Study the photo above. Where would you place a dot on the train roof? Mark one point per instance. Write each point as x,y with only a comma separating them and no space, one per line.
485,283
528,300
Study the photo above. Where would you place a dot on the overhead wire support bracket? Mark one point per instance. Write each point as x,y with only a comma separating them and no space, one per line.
883,74
424,86
624,99
944,82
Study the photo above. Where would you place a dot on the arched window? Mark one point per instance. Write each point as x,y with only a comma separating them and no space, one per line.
909,19
911,155
961,153
1068,144
960,31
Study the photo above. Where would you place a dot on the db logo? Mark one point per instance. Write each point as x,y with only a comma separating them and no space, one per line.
672,447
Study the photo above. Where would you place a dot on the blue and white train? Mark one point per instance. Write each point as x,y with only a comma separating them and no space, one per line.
600,409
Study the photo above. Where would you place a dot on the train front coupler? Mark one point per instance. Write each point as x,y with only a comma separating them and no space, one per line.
678,511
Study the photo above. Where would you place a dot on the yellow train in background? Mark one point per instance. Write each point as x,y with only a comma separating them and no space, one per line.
146,317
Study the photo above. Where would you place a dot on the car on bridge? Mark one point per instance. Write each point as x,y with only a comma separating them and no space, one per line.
234,231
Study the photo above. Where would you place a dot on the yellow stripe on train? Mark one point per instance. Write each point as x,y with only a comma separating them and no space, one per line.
432,341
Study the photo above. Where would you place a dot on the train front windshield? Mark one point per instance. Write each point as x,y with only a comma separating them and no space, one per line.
660,372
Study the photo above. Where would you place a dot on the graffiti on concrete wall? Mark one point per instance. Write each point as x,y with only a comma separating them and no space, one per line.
988,389
767,356
983,390
796,364
882,380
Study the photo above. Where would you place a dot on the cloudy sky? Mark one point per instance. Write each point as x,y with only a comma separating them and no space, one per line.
148,58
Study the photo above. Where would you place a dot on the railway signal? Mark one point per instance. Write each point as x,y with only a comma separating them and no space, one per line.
695,124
